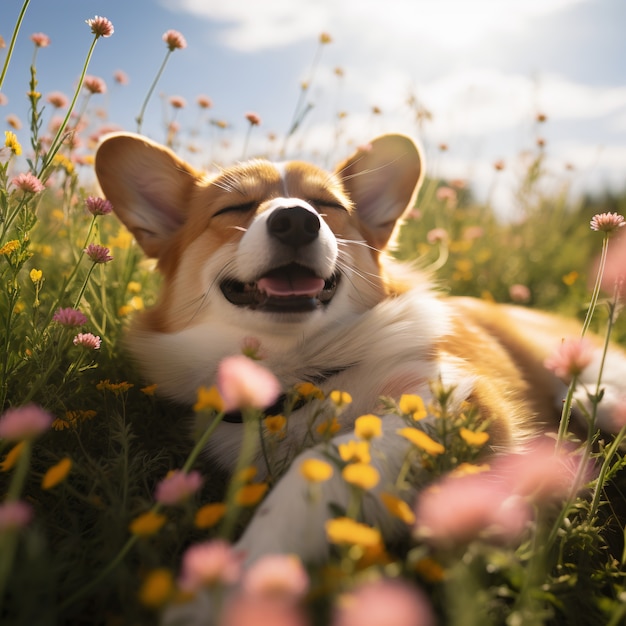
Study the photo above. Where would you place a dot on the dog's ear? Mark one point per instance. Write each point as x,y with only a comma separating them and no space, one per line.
148,186
382,179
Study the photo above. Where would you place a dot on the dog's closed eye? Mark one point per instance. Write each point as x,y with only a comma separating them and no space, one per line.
236,208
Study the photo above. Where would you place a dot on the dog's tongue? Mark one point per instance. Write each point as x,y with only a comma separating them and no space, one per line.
290,281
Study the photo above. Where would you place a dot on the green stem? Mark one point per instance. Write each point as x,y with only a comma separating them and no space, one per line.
565,414
82,289
16,30
139,118
596,288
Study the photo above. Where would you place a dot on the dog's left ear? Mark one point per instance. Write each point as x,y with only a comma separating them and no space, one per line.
382,179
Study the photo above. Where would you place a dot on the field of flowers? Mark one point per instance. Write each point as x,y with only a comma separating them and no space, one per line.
107,515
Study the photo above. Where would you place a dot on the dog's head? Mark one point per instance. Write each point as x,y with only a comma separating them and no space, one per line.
272,250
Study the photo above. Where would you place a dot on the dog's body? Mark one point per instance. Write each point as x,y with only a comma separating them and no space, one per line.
291,256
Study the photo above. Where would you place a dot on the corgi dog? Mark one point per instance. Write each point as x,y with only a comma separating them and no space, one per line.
294,257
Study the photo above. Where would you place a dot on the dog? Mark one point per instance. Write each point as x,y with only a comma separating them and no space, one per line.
294,257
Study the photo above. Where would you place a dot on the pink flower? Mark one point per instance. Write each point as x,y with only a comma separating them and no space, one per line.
607,222
178,102
570,358
28,183
446,194
25,422
383,603
14,121
57,99
204,102
174,40
437,235
98,206
276,575
94,84
69,317
41,40
87,340
208,564
473,232
457,510
100,26
177,487
253,118
242,383
121,77
98,253
14,515
246,610
519,293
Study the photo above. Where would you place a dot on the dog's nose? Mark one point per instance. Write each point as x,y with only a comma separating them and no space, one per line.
294,226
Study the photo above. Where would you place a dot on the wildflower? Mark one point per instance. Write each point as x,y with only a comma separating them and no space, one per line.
14,515
94,84
455,511
315,470
35,276
245,384
472,438
354,451
361,475
121,77
14,121
40,40
100,26
25,422
328,427
325,38
384,602
429,570
208,398
570,278
344,530
98,206
116,388
87,340
368,427
340,398
467,469
11,142
541,117
204,102
413,405
157,588
437,235
69,317
149,390
250,495
209,515
12,457
498,165
177,487
251,347
209,564
276,575
57,473
519,293
607,222
398,507
422,441
178,102
446,194
275,424
253,118
174,40
98,253
10,246
147,524
570,358
28,183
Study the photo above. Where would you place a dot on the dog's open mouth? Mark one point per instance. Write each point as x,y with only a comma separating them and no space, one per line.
289,289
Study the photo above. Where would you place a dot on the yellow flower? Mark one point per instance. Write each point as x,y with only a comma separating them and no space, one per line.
149,390
60,160
325,38
275,424
209,515
57,473
344,530
122,241
157,588
209,398
10,246
421,440
467,469
316,471
134,286
246,474
10,141
361,475
116,388
12,456
309,390
571,278
368,427
355,451
35,275
249,495
413,405
472,438
430,570
328,427
340,398
60,424
147,524
398,508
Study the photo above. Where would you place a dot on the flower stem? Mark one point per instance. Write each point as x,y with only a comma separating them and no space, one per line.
139,118
596,288
16,30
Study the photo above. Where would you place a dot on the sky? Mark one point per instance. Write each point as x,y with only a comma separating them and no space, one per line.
479,71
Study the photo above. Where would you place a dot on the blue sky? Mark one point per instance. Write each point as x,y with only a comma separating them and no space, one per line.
482,68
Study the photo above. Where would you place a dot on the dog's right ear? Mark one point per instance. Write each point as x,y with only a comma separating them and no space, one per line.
148,186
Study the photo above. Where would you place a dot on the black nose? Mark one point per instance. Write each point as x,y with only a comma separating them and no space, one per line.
294,226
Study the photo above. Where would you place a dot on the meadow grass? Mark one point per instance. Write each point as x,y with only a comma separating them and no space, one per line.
92,527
